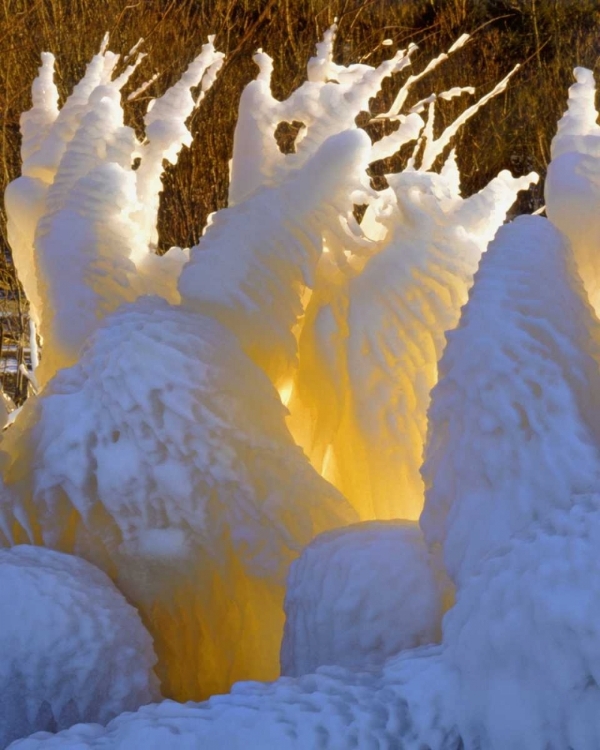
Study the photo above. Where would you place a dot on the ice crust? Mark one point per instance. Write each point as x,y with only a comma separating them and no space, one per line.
359,595
71,648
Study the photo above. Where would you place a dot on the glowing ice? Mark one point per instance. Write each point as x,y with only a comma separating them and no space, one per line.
163,457
374,333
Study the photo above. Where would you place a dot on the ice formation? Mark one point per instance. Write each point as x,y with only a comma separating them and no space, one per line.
163,457
326,104
374,326
71,648
257,260
359,595
572,189
162,453
137,488
514,423
517,666
403,705
81,220
374,333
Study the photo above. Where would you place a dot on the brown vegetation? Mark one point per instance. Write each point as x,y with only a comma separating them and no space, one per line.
549,37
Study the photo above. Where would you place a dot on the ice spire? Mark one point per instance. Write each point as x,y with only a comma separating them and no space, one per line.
81,220
514,422
572,188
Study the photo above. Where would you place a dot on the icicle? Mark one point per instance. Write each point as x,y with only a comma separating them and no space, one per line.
434,148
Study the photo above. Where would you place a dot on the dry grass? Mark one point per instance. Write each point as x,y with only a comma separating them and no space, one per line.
548,36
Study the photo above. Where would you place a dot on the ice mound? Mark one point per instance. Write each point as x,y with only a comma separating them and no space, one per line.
163,457
375,330
514,422
71,648
359,595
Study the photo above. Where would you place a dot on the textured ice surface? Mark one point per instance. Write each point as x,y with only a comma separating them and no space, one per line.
403,706
71,648
357,596
163,457
572,188
374,333
514,423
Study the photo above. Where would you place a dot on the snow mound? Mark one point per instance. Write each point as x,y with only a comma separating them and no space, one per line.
163,457
359,595
525,640
71,648
514,423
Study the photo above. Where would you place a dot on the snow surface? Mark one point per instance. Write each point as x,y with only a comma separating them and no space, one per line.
71,648
359,595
